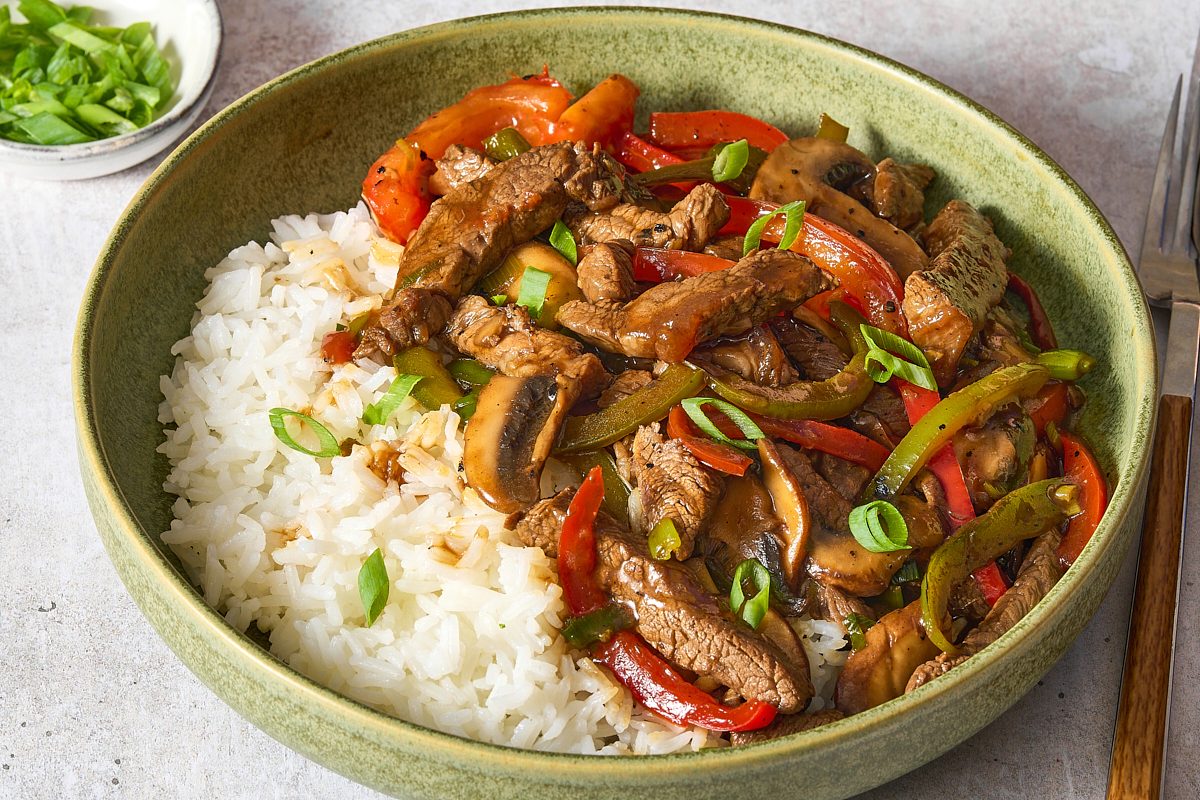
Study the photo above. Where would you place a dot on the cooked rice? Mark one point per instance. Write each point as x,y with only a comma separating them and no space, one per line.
468,642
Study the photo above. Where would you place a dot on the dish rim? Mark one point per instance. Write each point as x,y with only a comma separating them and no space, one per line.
38,154
450,748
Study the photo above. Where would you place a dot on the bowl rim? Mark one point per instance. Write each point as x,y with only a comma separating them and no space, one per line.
482,756
44,153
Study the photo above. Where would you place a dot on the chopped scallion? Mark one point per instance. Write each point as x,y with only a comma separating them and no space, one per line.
327,441
879,527
694,408
889,355
731,160
562,240
377,413
857,626
373,586
664,539
909,573
750,610
534,284
793,215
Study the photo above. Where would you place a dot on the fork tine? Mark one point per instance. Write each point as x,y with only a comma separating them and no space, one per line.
1191,158
1152,237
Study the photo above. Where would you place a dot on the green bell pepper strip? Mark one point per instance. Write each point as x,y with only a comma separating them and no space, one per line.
1066,365
470,371
831,398
616,492
1017,516
967,406
648,404
437,387
598,625
504,144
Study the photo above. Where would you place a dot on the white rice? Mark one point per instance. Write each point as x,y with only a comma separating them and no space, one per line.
468,642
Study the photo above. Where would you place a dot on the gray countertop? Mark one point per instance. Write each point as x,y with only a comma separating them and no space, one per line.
93,704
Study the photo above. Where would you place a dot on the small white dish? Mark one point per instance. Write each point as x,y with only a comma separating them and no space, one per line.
189,34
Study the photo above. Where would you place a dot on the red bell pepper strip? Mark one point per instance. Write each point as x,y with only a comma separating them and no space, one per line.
532,105
337,347
717,455
991,582
1079,466
1040,329
652,265
640,155
577,547
663,691
601,115
706,128
1049,405
863,275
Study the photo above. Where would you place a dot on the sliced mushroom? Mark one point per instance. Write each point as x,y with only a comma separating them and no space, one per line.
791,507
836,559
834,179
896,646
508,439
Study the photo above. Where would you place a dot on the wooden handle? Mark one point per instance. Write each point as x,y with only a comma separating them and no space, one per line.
1139,740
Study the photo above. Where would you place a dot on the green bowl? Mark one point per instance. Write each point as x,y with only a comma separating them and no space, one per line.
302,142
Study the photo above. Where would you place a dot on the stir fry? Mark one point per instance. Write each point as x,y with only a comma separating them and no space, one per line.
778,392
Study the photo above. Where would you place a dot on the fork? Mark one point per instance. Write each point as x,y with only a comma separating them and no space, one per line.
1167,268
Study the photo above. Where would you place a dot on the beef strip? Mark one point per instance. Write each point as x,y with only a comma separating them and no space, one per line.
846,477
668,320
459,165
469,230
729,247
625,384
413,317
688,226
786,725
899,195
1039,572
506,339
605,271
837,606
947,304
675,615
817,357
672,484
756,356
881,417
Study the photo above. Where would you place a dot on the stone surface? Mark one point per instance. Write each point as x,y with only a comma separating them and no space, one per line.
92,704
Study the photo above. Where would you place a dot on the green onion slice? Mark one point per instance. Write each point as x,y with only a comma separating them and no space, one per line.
499,299
793,214
751,610
597,626
562,240
664,539
373,586
534,284
731,160
694,407
328,442
378,413
879,527
889,355
857,626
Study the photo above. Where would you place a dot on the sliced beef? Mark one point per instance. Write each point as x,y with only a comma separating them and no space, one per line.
668,320
728,247
786,725
881,417
625,384
606,271
672,484
846,477
674,614
506,339
899,195
756,356
1039,572
947,304
837,606
817,357
413,317
459,165
688,226
469,230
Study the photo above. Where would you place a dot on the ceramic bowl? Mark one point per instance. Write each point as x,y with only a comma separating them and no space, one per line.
303,141
189,34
